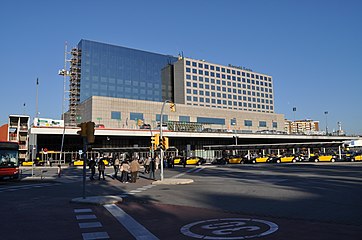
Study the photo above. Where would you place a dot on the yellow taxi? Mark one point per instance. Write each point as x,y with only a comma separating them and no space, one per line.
282,159
357,157
189,161
27,163
234,159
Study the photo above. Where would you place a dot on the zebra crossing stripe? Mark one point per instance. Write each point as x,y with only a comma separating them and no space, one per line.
84,217
95,235
90,225
83,210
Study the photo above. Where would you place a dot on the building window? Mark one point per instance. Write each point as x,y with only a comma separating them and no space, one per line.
164,118
116,115
207,120
188,63
275,124
184,118
136,116
262,123
248,123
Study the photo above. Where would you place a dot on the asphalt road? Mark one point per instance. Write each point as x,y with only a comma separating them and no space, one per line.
286,201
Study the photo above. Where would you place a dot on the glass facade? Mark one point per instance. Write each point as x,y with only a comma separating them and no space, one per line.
114,71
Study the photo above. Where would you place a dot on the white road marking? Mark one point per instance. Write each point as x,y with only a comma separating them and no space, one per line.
83,210
95,235
90,225
136,229
83,217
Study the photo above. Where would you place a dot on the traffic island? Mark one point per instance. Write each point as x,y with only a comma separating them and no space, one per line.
98,200
173,181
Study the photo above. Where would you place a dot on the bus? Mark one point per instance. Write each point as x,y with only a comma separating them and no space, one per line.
9,160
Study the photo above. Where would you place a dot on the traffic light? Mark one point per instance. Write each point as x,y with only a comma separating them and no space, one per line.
155,140
173,107
90,132
83,129
164,143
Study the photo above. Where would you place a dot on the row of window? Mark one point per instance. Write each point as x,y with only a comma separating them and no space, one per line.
225,82
229,103
229,95
230,89
206,120
222,69
224,96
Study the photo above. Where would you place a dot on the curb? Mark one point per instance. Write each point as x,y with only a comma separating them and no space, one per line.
173,181
98,200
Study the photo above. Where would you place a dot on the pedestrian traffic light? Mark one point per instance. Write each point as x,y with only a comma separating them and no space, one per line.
164,143
83,129
173,107
90,132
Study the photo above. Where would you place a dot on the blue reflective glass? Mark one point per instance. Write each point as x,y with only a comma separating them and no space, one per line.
184,119
105,68
116,115
164,118
220,121
135,116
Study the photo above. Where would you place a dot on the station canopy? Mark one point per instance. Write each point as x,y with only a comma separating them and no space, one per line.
275,146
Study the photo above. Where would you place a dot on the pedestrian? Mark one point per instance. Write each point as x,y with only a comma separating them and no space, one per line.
116,167
92,167
134,167
125,171
184,160
59,170
152,169
101,168
147,165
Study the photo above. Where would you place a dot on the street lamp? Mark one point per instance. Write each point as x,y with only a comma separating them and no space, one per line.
233,123
326,113
173,109
63,72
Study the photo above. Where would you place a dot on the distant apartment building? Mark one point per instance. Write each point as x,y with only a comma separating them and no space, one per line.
306,126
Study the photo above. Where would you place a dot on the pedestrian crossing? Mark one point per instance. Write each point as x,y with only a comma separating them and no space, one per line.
90,226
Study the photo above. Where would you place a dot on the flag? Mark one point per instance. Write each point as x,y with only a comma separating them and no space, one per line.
37,81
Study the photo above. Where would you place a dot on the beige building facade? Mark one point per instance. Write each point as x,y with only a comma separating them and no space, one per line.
127,113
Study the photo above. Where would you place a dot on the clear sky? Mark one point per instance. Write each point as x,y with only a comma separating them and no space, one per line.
312,48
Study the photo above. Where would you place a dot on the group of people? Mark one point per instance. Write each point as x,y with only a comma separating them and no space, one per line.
126,171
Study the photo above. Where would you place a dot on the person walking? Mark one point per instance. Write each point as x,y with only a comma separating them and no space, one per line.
92,167
134,167
147,165
116,167
101,168
152,169
125,171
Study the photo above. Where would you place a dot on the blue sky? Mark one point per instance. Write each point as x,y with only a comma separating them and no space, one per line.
312,48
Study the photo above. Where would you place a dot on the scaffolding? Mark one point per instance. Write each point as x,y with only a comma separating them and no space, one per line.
74,85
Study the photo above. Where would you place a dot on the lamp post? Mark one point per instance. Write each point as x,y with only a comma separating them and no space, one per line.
233,123
63,73
161,132
326,113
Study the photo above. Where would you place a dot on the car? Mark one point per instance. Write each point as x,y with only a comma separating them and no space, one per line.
27,163
323,158
195,161
356,157
178,160
219,161
256,159
234,159
282,159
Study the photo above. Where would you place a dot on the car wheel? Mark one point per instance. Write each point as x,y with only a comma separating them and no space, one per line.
316,160
253,161
278,161
294,160
333,160
352,159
